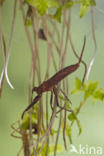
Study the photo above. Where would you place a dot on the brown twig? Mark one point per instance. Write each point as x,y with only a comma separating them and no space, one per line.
62,41
46,77
44,138
32,73
58,132
51,43
66,88
64,128
54,42
66,40
54,25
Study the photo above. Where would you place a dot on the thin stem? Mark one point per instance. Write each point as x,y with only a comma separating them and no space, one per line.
36,49
10,43
40,106
54,42
18,154
58,132
48,61
32,73
3,50
62,41
78,110
44,138
46,77
25,141
47,149
24,137
66,88
26,28
66,43
49,49
50,42
56,29
95,44
65,145
31,80
29,37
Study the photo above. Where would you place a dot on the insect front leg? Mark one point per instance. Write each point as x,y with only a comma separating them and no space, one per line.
31,105
34,89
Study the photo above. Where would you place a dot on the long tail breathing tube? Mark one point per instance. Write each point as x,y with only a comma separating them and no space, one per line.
82,50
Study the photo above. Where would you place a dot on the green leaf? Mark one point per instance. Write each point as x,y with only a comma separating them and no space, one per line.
83,10
78,83
85,4
73,117
58,14
33,3
53,4
53,132
98,95
68,132
52,147
91,87
78,86
79,126
25,122
68,4
67,102
62,98
43,5
28,22
88,2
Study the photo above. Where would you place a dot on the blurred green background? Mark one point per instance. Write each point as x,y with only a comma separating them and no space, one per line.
13,102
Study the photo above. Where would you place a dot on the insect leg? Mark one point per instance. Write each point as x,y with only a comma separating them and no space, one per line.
51,99
56,98
15,130
65,96
31,105
20,150
56,95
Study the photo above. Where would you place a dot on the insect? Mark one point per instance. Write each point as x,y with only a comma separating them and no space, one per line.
50,84
23,134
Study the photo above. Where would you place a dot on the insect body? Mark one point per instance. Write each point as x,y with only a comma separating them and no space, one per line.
50,84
